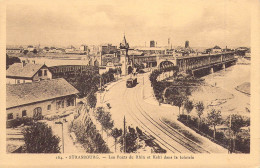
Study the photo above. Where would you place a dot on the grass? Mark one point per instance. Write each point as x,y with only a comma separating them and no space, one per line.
186,133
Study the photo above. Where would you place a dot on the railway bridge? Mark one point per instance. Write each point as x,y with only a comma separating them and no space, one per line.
198,63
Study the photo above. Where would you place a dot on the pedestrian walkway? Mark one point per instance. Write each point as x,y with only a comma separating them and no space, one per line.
70,146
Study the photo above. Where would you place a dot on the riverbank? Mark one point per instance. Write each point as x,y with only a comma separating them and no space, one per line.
226,90
244,88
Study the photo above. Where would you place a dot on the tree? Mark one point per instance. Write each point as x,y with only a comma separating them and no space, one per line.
214,118
176,101
25,52
92,101
11,60
199,108
40,139
130,138
106,121
104,118
188,105
115,134
235,125
35,51
99,113
85,83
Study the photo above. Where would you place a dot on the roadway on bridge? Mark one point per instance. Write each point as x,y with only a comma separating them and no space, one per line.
130,102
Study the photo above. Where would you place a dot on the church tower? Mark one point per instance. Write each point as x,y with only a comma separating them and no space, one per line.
124,60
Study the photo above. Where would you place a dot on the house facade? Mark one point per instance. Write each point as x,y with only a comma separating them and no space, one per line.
44,98
13,50
27,72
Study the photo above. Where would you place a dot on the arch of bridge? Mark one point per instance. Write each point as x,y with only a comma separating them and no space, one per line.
159,64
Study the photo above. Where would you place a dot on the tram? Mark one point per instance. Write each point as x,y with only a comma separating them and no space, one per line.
131,82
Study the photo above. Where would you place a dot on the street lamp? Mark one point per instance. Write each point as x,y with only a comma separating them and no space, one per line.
62,134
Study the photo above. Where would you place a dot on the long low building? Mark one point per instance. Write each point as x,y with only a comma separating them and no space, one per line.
47,97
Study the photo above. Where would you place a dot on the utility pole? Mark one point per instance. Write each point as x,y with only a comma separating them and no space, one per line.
143,87
124,138
100,88
230,140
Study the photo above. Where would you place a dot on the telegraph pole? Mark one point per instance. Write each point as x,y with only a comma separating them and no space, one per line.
100,88
230,140
124,138
143,87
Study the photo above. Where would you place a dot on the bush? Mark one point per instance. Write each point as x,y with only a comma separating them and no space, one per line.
131,141
89,137
243,144
221,139
19,121
39,139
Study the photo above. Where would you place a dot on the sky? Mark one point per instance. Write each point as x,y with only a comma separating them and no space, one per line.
205,23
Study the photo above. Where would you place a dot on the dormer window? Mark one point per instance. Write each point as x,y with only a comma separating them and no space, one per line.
45,72
40,73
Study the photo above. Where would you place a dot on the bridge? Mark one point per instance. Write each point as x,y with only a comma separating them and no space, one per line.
72,70
196,63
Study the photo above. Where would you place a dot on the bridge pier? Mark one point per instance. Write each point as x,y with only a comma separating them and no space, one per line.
224,66
211,70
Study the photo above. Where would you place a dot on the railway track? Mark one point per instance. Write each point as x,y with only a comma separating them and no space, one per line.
169,132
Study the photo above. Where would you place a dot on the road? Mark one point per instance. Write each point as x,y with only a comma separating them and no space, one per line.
130,102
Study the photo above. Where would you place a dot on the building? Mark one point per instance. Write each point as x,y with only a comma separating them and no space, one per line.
27,72
187,44
108,49
30,48
13,50
83,48
152,43
43,98
216,49
152,50
124,58
70,49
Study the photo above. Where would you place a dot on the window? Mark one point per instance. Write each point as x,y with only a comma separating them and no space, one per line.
10,116
45,72
18,81
70,101
24,113
40,73
59,104
49,107
37,113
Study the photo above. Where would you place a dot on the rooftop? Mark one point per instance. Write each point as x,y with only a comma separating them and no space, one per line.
26,93
150,48
26,71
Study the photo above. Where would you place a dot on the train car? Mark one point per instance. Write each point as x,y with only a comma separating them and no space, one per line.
131,82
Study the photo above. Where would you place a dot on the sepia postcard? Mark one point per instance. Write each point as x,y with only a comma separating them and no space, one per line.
137,83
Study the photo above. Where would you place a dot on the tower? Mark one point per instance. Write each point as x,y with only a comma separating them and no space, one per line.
152,43
124,60
169,41
187,45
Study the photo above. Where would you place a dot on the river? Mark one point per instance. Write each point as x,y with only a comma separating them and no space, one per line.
221,92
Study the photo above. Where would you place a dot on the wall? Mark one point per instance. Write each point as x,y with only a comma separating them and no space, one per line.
15,81
17,111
